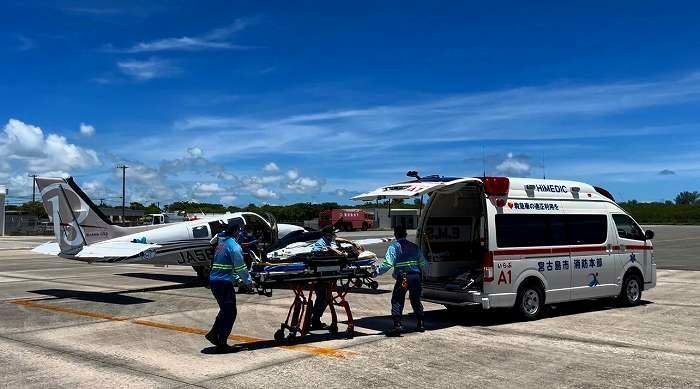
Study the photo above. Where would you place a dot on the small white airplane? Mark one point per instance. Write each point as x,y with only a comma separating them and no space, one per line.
85,234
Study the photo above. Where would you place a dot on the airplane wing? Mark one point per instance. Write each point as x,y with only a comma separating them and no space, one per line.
119,249
50,248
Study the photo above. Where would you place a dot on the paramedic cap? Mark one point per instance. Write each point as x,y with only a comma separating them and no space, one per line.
400,231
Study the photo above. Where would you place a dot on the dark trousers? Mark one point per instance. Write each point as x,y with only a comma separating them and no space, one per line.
225,296
399,296
321,302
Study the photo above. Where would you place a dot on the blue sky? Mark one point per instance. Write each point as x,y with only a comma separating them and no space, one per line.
240,102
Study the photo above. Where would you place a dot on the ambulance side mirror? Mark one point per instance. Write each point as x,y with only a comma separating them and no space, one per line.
649,235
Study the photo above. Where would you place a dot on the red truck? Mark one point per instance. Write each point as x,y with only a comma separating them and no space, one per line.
346,219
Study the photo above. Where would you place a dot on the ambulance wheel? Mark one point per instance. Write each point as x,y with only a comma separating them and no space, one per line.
631,293
279,335
530,302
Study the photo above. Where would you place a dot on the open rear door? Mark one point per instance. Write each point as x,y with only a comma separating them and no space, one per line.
406,190
274,230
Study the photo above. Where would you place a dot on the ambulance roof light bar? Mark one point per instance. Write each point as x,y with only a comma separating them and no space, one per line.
496,186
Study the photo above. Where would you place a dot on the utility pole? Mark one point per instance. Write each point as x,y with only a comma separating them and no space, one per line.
123,167
33,176
34,207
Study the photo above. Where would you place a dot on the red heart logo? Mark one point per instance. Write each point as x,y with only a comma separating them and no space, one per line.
510,205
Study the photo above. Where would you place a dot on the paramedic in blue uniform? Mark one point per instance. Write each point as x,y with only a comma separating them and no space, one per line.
227,269
409,264
328,242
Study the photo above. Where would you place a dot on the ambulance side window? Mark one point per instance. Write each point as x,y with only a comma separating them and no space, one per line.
587,229
627,228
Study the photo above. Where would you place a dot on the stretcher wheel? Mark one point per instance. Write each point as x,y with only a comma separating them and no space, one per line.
349,334
374,284
333,329
279,335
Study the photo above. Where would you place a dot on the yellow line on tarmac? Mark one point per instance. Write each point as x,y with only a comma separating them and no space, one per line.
322,351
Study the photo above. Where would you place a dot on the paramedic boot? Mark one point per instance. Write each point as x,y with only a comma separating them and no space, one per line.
419,325
398,328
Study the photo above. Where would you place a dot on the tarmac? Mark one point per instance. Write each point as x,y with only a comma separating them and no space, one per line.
71,324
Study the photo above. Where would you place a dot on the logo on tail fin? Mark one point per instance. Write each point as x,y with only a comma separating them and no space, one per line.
76,220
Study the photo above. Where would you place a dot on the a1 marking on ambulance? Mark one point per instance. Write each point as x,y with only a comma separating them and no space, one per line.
506,273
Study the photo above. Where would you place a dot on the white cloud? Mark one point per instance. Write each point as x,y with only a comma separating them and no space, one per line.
86,129
271,167
218,39
148,69
548,113
514,166
228,199
265,194
26,145
305,185
195,152
293,174
202,190
340,192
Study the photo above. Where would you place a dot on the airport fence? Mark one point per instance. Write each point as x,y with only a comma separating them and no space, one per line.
22,224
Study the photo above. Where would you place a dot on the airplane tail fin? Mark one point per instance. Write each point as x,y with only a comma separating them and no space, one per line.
76,219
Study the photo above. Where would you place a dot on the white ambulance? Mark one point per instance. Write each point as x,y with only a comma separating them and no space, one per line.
524,242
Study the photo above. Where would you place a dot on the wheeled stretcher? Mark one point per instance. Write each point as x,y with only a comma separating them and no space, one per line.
303,274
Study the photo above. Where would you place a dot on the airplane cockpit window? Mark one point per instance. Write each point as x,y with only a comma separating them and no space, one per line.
200,232
260,228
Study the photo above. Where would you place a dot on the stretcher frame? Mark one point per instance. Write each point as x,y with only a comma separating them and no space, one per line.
303,284
298,321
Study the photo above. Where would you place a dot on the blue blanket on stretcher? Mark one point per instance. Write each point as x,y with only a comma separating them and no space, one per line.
298,267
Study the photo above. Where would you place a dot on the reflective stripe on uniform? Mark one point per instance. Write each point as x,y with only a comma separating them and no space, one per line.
406,264
221,266
240,268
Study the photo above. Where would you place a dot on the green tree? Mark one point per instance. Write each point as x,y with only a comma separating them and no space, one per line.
687,198
34,208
